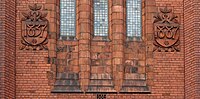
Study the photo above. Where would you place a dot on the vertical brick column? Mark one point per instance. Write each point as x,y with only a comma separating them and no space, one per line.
2,48
189,53
118,35
149,10
84,38
7,48
196,47
192,47
52,7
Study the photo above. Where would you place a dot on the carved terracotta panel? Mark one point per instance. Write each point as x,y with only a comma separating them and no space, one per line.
166,31
34,29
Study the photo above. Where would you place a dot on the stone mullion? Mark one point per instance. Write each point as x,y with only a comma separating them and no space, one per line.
84,38
117,22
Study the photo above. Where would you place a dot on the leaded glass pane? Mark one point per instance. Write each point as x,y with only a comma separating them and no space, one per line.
67,18
100,17
133,18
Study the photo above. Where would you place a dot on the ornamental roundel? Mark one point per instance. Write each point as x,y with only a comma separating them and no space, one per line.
34,29
166,31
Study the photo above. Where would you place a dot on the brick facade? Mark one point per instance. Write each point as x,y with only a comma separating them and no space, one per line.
191,30
7,48
113,67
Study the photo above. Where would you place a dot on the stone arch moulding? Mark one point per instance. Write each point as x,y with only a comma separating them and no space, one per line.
34,28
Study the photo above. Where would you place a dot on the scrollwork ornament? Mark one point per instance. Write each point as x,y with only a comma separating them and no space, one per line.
166,31
34,29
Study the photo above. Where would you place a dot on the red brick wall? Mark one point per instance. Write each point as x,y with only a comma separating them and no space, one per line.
30,67
165,71
191,33
189,52
2,47
10,30
196,48
171,65
7,66
197,54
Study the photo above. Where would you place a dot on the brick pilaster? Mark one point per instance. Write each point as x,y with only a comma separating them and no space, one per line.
197,48
84,38
7,48
52,7
192,47
148,35
118,34
2,48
